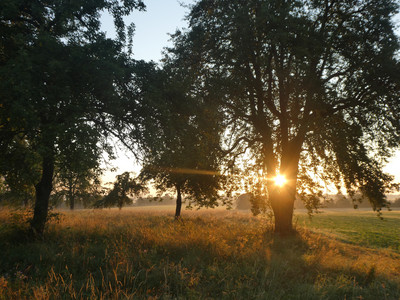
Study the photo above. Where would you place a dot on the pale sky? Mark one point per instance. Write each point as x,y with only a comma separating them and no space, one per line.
161,18
153,26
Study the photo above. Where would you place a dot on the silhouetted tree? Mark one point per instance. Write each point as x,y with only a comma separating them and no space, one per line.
77,166
124,186
58,74
180,139
74,187
308,87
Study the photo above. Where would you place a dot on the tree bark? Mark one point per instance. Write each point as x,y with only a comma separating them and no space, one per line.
43,190
282,202
178,202
282,198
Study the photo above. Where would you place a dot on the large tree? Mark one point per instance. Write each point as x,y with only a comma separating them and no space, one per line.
181,136
311,88
58,74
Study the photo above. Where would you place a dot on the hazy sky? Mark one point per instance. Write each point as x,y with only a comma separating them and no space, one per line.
151,36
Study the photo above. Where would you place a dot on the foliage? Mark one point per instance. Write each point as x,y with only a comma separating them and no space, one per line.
220,255
20,170
72,189
59,85
78,172
155,201
309,90
180,139
124,186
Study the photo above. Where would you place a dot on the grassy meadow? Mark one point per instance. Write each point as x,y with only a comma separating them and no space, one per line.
361,227
141,253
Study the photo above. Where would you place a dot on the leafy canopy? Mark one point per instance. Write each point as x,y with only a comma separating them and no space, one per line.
180,139
309,89
61,83
58,76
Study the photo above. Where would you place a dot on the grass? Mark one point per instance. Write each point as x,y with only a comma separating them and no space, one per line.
145,254
359,227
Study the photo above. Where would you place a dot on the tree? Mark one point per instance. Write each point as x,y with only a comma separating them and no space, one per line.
58,74
74,186
124,186
77,166
20,170
310,89
180,137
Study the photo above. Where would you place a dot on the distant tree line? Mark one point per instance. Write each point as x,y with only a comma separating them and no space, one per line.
244,202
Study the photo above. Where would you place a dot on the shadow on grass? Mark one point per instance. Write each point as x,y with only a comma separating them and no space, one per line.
197,258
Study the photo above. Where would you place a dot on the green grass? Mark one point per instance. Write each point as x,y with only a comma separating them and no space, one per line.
145,254
358,227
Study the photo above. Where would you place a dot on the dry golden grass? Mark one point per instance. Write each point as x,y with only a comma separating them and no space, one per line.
143,253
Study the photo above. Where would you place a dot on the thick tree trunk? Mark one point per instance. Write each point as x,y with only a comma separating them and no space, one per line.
282,198
43,190
178,202
282,202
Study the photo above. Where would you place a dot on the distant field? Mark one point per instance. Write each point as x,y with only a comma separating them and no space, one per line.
360,227
142,253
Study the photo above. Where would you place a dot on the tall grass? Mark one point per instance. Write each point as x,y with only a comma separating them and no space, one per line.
145,254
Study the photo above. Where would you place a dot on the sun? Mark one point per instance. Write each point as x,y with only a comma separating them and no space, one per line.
280,180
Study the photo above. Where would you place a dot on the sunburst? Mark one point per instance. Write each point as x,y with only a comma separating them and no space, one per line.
280,180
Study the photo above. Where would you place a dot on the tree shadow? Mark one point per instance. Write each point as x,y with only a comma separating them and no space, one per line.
318,267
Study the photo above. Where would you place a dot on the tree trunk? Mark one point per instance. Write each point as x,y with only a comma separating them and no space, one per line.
282,198
282,202
72,204
43,190
178,202
71,201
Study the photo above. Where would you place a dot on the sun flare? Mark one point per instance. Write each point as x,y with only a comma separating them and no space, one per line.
280,180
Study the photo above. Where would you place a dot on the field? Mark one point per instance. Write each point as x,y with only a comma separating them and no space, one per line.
145,254
361,227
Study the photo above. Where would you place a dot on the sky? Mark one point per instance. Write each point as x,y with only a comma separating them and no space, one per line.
153,26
